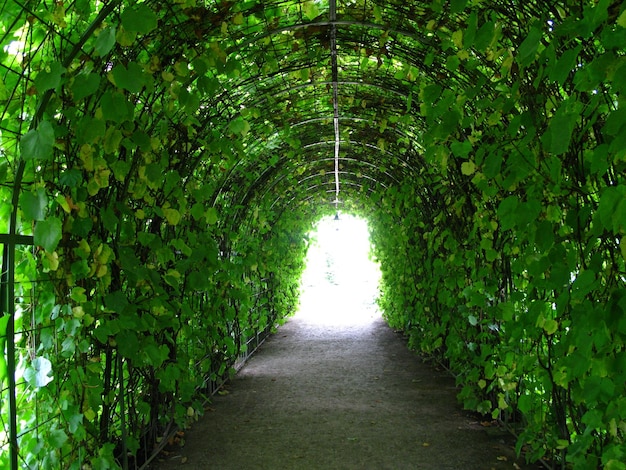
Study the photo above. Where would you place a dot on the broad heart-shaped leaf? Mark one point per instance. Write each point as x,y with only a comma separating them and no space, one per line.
565,65
507,212
557,137
85,85
457,6
528,48
105,41
34,204
48,233
131,78
38,143
39,374
611,212
140,19
49,79
115,107
57,438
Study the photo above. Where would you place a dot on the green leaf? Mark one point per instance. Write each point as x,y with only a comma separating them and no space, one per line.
457,6
116,302
49,79
239,126
105,41
528,48
565,65
57,438
211,215
129,78
611,211
507,212
461,149
584,282
197,211
140,19
34,204
38,143
48,233
115,107
557,137
85,85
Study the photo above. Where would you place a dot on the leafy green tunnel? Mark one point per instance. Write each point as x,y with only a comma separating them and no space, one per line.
163,161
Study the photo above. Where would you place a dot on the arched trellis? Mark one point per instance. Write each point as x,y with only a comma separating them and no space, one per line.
487,110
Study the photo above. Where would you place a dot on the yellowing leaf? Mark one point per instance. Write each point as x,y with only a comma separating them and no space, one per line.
310,9
457,38
238,18
468,168
52,261
550,326
172,215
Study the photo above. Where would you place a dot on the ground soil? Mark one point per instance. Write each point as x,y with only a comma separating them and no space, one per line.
330,391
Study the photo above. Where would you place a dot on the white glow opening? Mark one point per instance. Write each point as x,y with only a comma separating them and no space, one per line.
340,282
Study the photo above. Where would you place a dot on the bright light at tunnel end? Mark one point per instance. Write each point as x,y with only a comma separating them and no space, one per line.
340,282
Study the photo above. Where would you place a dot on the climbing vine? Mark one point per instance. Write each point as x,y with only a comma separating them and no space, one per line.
162,162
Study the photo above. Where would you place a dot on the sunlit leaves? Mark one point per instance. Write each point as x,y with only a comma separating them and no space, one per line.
239,126
39,374
310,9
38,143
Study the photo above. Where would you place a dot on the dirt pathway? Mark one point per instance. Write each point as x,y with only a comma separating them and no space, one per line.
334,392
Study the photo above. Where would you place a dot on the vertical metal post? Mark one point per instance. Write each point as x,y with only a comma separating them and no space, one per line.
123,412
7,294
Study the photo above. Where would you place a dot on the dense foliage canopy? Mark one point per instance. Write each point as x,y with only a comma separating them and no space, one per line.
163,160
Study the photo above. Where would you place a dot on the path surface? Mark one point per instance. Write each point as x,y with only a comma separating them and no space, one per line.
330,391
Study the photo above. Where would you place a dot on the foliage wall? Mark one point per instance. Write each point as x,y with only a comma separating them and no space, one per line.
167,158
514,228
141,290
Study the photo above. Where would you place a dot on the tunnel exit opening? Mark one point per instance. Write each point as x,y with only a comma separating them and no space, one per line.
340,283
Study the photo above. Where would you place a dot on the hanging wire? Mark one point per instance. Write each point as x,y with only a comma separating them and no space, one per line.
335,80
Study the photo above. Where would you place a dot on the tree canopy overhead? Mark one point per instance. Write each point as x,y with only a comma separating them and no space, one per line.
162,162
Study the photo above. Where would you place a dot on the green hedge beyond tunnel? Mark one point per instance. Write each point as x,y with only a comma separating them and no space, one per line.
163,160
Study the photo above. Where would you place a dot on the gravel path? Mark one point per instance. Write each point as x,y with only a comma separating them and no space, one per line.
337,391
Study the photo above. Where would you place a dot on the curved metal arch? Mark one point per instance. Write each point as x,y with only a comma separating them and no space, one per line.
330,192
284,161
